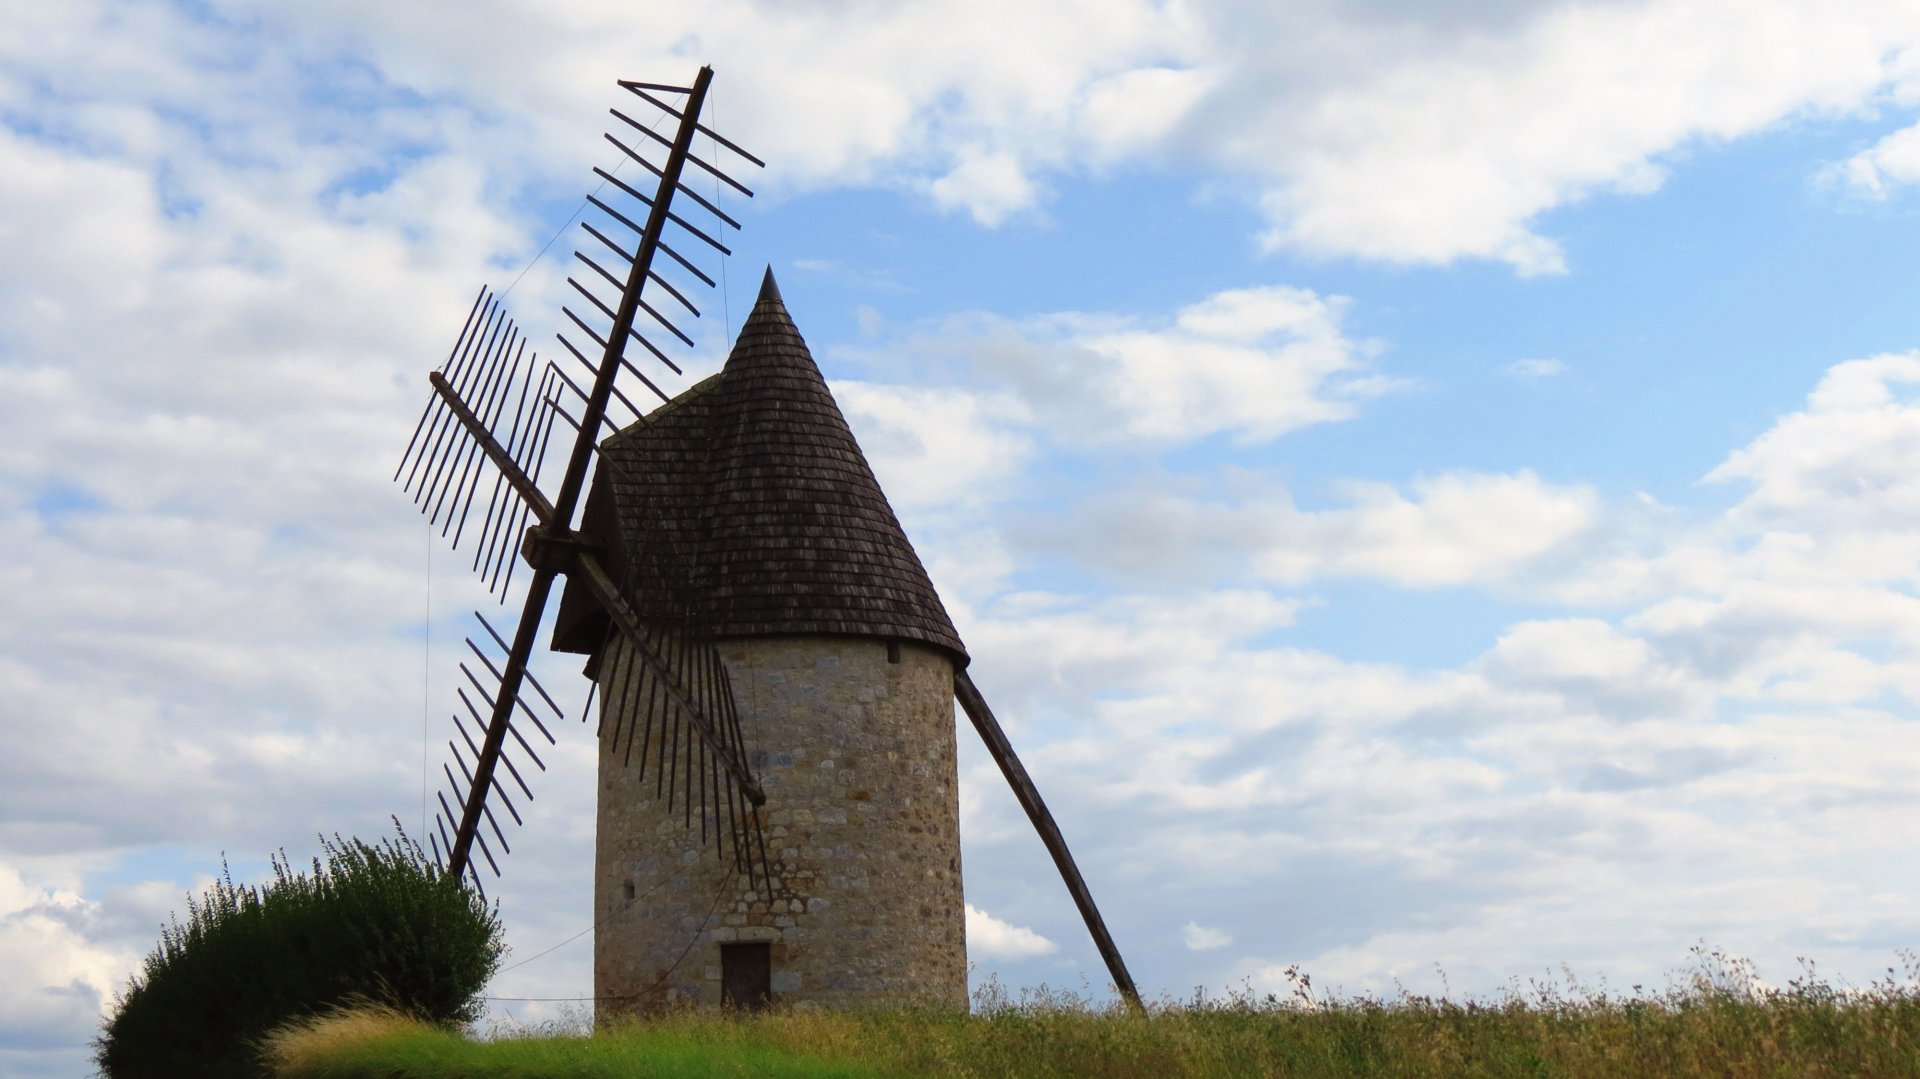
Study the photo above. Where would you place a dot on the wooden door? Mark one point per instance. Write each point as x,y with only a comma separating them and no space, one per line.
746,975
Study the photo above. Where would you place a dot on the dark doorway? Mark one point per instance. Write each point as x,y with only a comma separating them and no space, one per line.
746,975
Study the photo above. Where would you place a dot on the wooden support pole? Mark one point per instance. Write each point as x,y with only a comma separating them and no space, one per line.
1029,795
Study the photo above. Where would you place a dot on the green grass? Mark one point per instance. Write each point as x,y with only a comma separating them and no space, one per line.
1720,1022
376,1042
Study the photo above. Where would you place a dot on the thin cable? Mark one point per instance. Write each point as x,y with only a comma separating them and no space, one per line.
718,895
563,227
629,905
575,216
726,304
426,683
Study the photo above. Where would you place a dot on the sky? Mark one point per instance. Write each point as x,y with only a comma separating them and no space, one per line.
1429,489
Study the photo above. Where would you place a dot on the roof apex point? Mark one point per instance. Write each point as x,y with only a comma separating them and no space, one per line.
769,290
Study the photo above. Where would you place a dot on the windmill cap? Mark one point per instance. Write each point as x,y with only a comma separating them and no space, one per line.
749,495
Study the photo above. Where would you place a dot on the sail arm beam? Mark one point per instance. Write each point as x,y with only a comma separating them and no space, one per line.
497,453
591,573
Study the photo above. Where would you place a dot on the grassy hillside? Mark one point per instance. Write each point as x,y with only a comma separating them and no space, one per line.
1717,1026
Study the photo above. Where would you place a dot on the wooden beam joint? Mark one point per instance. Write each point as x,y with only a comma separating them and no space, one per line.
556,552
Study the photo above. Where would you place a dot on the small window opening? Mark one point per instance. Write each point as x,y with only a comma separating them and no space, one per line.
893,651
746,975
629,888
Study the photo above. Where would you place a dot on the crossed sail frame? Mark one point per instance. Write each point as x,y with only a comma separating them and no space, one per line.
496,408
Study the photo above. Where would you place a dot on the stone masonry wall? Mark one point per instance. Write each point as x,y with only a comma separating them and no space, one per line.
862,826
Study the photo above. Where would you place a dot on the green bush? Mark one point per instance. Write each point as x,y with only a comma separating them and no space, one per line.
379,924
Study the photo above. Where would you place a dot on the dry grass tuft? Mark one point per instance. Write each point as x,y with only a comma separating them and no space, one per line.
291,1049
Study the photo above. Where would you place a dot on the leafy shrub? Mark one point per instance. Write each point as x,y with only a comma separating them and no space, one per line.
373,923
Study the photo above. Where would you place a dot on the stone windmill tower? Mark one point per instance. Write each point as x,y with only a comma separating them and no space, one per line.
775,672
841,659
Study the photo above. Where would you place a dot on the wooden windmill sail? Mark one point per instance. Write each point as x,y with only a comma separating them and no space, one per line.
685,544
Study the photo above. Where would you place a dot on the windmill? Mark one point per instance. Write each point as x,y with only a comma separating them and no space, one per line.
748,605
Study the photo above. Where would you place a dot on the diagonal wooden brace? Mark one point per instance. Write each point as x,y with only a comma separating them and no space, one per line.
1029,796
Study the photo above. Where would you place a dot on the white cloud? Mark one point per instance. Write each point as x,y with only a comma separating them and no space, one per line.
1458,527
936,445
991,937
927,95
1828,502
1878,171
1536,367
1252,363
1845,461
59,980
235,289
1408,136
1076,650
1135,111
992,186
1412,136
1454,147
1591,669
1451,529
1729,747
1200,938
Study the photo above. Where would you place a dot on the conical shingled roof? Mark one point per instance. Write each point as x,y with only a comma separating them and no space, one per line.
749,493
